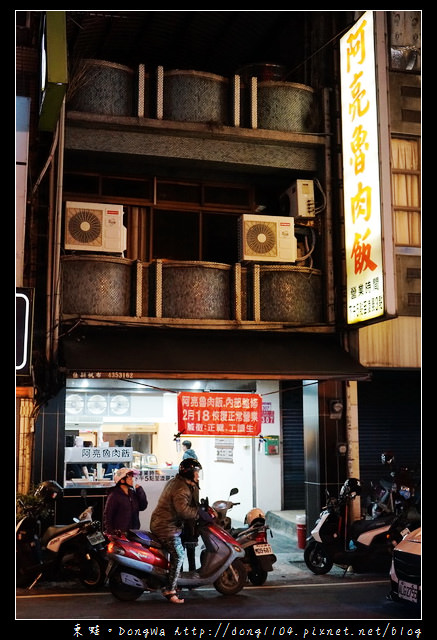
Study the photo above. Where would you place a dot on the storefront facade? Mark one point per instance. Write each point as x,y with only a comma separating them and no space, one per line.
151,208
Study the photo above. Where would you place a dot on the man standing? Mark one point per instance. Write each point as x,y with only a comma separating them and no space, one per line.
177,505
188,451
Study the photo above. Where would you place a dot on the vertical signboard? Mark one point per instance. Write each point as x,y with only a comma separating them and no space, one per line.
23,331
22,120
361,173
54,69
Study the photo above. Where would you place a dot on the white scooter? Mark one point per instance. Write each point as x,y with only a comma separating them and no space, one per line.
364,545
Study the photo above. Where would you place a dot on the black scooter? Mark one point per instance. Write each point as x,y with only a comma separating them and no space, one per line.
364,545
76,550
391,493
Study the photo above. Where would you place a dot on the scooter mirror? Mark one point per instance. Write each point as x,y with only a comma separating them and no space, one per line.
233,491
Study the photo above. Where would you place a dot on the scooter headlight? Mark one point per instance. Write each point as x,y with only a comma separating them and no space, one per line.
115,549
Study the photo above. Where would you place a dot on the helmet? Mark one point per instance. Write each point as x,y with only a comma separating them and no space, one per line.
49,490
387,457
187,468
351,488
122,473
255,515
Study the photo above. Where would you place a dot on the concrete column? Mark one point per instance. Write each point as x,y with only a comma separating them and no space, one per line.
310,397
353,454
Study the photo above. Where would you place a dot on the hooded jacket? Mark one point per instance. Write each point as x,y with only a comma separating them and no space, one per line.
178,502
122,511
189,453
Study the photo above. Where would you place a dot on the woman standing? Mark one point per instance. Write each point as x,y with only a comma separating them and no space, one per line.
124,503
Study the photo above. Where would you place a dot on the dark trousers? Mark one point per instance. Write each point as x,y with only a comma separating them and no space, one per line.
190,548
189,539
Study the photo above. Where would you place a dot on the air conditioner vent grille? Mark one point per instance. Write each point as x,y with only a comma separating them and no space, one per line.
85,226
261,238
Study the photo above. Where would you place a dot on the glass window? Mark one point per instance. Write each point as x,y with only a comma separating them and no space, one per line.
124,188
220,238
405,158
78,183
175,235
232,196
177,192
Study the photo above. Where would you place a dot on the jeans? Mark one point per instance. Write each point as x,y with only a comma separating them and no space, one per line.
177,552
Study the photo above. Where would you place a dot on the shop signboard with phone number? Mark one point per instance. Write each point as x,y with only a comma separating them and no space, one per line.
222,414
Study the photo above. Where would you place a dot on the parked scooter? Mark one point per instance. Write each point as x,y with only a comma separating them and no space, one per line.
61,551
259,557
390,493
364,545
138,562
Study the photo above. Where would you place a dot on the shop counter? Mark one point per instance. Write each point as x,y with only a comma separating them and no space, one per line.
77,497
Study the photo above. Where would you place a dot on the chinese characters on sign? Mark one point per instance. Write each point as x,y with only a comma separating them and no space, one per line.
362,200
97,375
220,414
98,454
268,415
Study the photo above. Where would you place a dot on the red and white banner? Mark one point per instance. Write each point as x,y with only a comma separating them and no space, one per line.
219,414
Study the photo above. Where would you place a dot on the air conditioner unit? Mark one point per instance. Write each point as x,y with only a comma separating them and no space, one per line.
298,200
90,226
267,239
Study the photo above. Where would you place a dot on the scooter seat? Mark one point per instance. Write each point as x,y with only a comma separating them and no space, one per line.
58,529
144,537
359,526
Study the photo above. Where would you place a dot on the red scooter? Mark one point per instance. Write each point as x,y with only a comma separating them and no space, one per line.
137,562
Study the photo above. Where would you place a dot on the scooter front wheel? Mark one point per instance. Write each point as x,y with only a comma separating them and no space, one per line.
257,577
93,574
317,559
121,590
232,579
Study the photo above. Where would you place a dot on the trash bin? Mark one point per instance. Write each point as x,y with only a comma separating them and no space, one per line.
301,531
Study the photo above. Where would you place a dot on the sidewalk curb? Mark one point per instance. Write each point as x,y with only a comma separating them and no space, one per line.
280,524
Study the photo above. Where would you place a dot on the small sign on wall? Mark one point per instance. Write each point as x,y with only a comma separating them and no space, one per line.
224,449
271,445
98,454
268,415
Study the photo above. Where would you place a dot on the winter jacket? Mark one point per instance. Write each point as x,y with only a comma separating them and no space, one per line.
177,503
122,511
189,453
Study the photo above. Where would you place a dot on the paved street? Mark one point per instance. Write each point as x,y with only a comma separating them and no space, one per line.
291,592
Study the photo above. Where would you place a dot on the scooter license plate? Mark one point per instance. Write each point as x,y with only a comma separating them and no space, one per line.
96,538
407,591
262,549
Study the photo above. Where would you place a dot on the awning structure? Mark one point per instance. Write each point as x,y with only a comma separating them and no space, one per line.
215,354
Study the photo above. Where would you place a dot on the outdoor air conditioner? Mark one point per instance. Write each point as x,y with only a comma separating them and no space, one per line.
298,200
94,227
267,239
